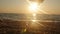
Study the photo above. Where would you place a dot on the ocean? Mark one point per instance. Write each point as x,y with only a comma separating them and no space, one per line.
11,23
14,16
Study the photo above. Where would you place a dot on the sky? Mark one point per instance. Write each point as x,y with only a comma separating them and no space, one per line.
20,6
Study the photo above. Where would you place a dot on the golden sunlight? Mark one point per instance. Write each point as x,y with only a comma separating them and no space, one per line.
34,15
33,7
33,20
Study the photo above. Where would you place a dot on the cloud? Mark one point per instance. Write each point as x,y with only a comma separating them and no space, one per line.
38,1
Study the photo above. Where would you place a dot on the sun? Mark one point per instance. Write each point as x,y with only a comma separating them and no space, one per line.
33,7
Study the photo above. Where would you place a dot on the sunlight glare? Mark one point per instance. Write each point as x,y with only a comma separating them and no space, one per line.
33,20
34,15
33,7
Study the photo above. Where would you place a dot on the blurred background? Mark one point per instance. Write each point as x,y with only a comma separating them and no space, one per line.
21,6
29,16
